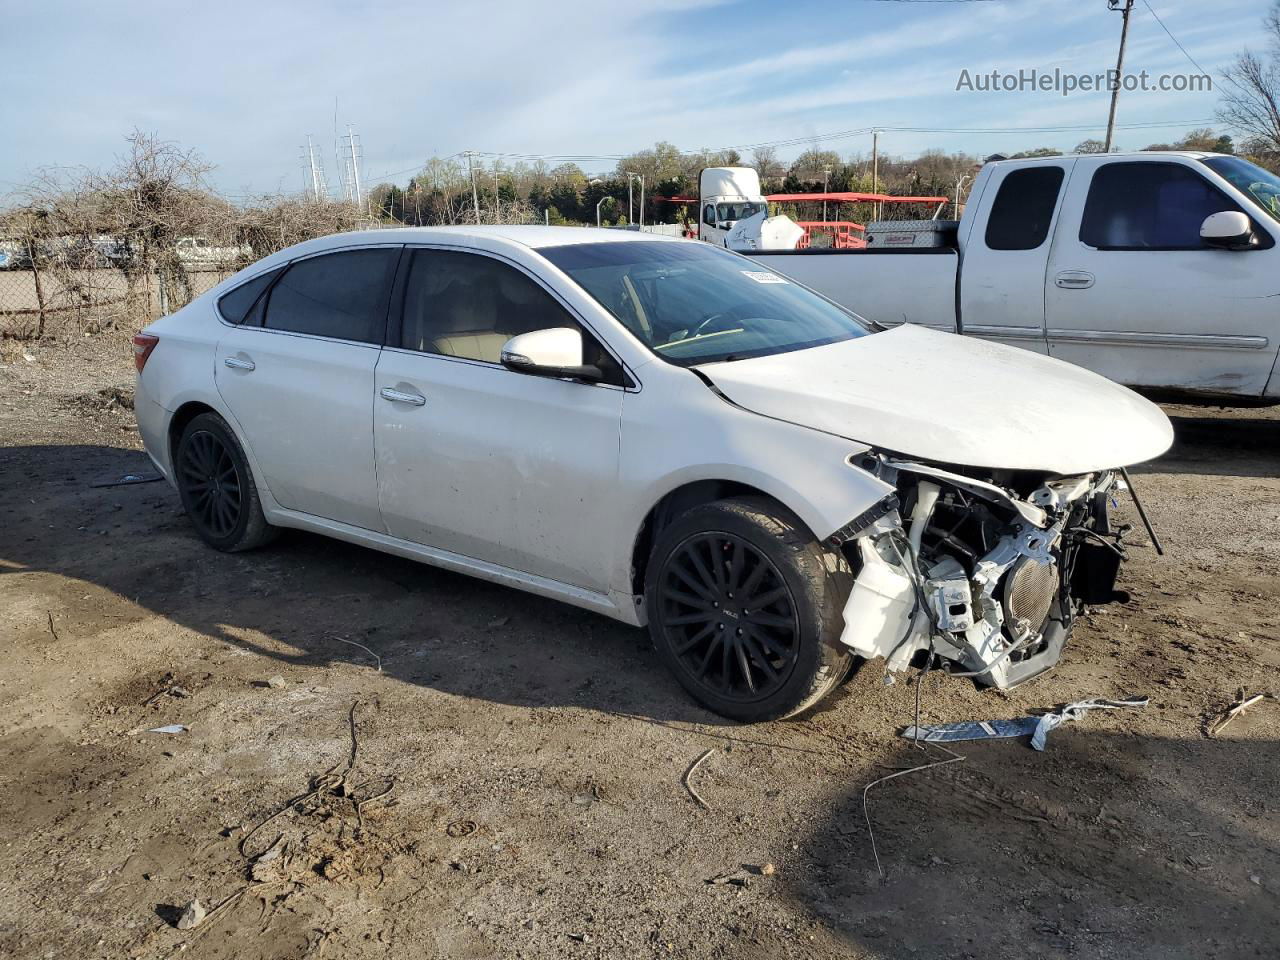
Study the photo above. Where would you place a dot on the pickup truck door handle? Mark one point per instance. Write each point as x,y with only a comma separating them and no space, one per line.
399,396
1074,279
236,363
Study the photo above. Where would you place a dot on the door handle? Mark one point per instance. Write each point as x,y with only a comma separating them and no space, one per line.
235,363
1074,279
399,396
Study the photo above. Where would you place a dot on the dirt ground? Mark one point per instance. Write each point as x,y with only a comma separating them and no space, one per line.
514,788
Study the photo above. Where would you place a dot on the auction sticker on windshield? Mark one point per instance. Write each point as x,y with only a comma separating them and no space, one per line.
763,276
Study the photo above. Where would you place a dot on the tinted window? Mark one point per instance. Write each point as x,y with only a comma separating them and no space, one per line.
1149,206
709,215
1023,208
467,305
694,303
236,304
341,295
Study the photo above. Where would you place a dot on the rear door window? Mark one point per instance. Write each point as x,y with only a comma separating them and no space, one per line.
1149,206
1023,209
340,295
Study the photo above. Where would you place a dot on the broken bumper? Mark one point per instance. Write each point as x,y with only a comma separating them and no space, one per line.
983,577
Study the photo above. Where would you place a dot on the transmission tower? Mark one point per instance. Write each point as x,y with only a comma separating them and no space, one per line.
313,172
353,154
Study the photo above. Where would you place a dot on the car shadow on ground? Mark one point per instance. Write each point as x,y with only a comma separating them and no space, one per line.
300,598
1246,446
1078,851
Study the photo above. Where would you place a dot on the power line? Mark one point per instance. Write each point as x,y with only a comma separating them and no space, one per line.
1178,44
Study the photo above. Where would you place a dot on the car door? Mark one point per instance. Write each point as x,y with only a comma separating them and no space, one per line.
1002,276
482,461
297,376
1135,295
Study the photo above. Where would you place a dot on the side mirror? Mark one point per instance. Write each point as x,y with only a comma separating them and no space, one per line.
556,352
1228,230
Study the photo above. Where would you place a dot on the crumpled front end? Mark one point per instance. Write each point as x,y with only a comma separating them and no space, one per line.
986,570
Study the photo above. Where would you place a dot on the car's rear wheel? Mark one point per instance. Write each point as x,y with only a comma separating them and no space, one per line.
217,488
746,611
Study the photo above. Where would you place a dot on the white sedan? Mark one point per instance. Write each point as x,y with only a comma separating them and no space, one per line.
659,431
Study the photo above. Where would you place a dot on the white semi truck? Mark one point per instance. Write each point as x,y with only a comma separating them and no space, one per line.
1158,270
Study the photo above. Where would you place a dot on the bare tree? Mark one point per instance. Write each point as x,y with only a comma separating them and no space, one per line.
765,160
1251,97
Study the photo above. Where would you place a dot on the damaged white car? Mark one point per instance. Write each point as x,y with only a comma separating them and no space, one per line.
659,431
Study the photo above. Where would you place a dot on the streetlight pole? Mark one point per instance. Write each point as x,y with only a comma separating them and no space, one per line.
826,175
631,203
602,200
1115,86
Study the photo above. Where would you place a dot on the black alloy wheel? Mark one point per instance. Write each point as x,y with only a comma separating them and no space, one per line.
729,617
216,485
209,477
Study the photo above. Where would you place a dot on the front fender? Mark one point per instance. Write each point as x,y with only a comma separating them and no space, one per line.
806,470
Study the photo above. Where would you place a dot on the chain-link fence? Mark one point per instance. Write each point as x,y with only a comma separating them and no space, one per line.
62,287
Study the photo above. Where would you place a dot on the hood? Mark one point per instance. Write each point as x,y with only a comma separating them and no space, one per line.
952,399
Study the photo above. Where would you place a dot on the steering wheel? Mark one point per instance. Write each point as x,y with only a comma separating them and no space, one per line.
718,322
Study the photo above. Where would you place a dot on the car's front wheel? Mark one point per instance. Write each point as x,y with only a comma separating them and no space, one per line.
217,488
745,609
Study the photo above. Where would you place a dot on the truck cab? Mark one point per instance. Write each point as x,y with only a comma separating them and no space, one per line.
727,195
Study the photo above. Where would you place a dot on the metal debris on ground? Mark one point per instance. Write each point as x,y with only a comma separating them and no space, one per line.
129,479
169,728
1242,704
1036,727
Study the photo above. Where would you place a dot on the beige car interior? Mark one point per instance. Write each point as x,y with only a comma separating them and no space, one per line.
466,305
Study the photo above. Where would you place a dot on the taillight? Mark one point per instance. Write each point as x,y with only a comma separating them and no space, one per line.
143,344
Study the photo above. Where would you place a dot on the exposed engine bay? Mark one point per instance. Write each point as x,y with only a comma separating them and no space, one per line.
984,570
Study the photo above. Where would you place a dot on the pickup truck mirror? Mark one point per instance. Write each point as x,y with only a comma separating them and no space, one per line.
554,352
1228,230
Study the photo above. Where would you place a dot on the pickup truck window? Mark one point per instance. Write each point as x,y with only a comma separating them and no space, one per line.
1149,206
1249,178
1023,208
693,303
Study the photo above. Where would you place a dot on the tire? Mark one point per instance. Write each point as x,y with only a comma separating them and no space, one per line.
774,661
217,487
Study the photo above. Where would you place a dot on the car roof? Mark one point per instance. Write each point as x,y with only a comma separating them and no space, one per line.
529,237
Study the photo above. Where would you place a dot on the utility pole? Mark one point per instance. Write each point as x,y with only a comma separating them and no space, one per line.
826,176
355,166
875,167
641,176
1124,6
475,197
631,202
875,161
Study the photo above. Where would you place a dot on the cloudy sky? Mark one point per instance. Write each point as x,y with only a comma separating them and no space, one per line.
244,83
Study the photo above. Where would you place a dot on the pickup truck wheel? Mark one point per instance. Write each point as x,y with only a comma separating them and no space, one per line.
744,610
217,488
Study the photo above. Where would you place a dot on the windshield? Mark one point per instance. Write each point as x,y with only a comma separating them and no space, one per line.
737,211
692,303
1263,186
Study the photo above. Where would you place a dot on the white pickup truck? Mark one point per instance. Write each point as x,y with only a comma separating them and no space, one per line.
1158,270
